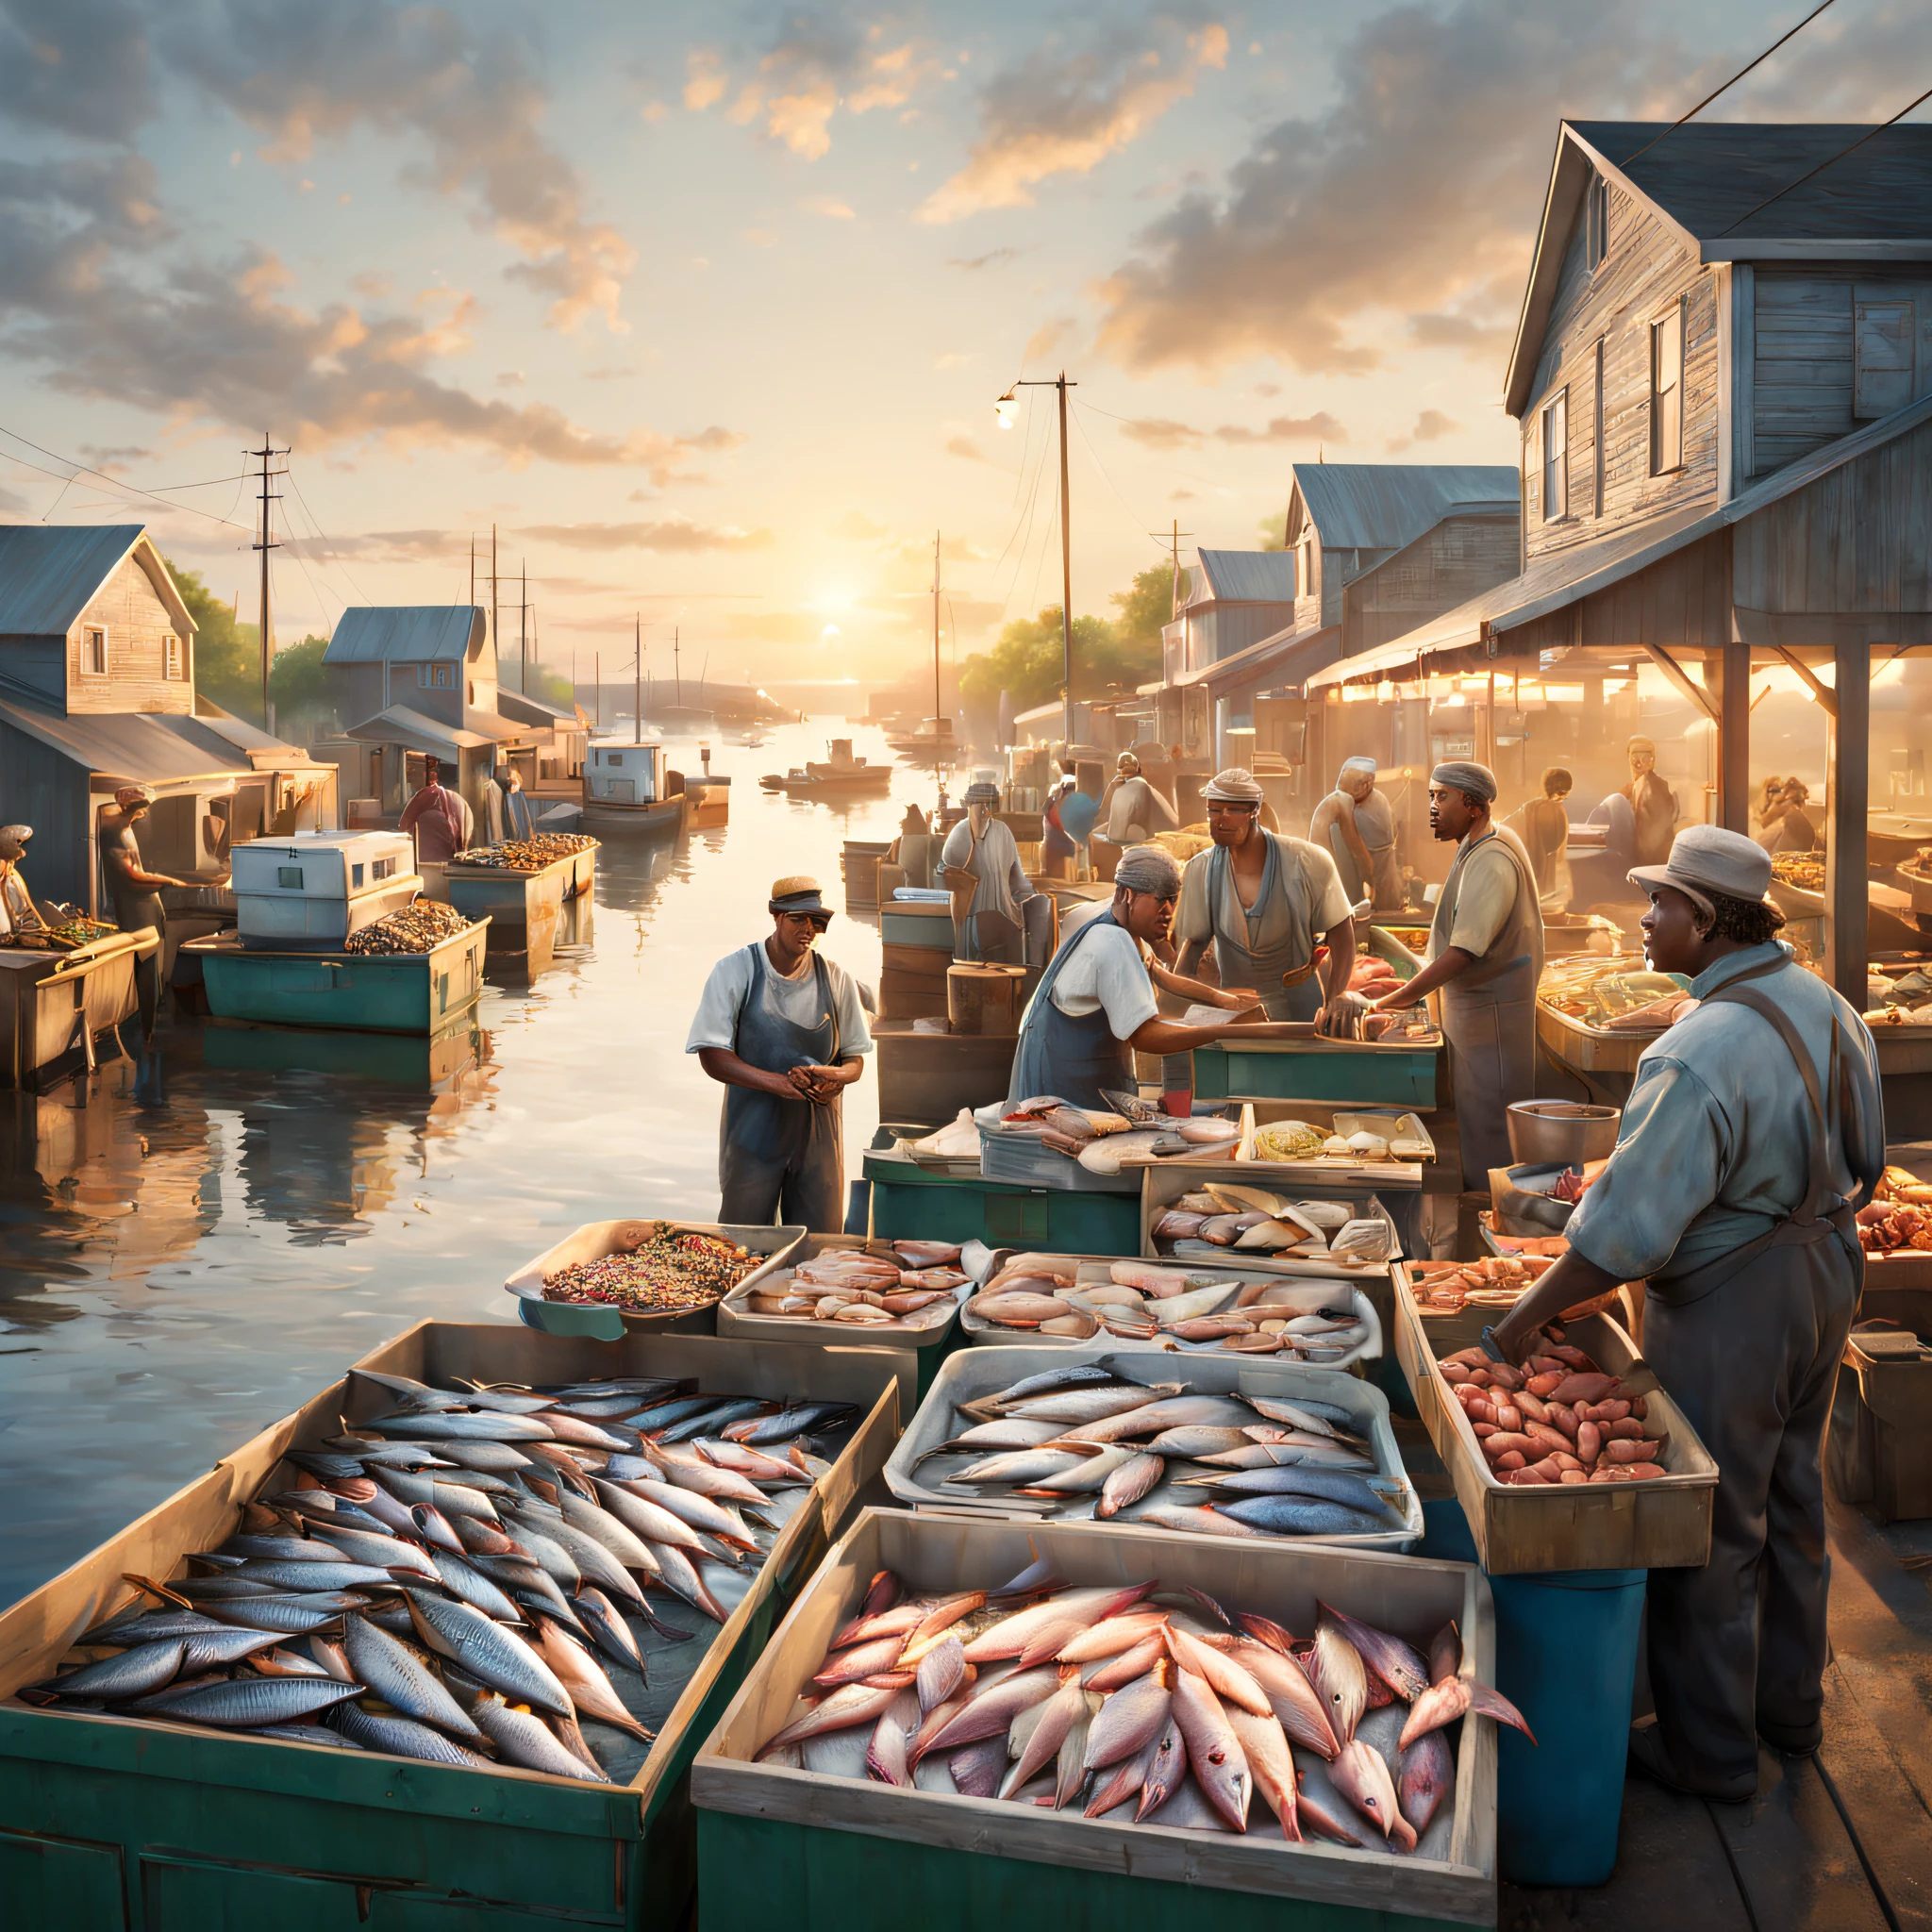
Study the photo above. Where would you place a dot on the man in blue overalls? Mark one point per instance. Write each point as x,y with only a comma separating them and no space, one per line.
781,1028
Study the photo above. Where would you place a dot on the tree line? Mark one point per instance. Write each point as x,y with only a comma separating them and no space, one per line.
1112,654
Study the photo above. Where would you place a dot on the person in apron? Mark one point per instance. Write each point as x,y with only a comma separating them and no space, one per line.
1264,902
1653,804
990,886
1131,807
1094,1004
440,819
781,1028
1356,824
1485,955
135,893
510,816
1754,1132
1543,826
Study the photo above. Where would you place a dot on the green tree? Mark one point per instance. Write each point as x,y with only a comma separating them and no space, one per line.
1144,609
227,655
297,684
1026,661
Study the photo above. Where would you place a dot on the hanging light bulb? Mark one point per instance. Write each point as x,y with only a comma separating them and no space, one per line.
1006,408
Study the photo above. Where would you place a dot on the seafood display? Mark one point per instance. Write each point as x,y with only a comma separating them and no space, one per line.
906,1284
1230,1214
420,926
1318,1320
1614,990
1899,1215
662,1269
1496,1281
1353,1138
1134,1439
1803,870
1558,1419
1102,1142
68,937
525,855
475,1577
1140,1706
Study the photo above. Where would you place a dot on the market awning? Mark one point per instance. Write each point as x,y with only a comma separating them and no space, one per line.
160,749
518,705
412,729
1288,657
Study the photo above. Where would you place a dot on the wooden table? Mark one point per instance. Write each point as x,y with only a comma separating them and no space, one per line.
52,1002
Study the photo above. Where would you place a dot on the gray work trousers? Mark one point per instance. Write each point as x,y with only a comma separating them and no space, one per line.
1737,1648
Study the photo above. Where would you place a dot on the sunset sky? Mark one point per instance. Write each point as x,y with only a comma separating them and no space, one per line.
705,306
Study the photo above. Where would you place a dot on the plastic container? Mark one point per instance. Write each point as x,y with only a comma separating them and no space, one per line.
907,1201
1566,1658
1541,1131
1028,1161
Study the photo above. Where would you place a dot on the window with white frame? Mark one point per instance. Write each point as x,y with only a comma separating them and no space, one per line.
1557,457
1596,224
173,660
437,677
94,650
1667,391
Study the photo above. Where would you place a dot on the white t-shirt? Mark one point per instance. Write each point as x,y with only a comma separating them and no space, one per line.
1107,970
798,1000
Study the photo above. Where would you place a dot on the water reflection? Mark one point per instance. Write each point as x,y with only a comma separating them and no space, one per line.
174,1276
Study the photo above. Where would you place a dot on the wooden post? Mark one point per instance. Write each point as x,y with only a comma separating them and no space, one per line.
1734,737
1847,777
984,999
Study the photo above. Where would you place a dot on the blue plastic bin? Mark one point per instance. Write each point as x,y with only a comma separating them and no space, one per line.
1566,1658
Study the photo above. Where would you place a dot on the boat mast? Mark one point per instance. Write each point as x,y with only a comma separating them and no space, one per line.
937,706
637,702
676,668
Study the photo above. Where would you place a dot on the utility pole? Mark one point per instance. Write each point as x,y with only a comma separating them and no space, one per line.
676,668
637,702
523,632
937,706
473,570
264,544
494,634
597,672
1066,572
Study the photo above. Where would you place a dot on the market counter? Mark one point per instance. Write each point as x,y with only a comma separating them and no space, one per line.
52,1003
913,1202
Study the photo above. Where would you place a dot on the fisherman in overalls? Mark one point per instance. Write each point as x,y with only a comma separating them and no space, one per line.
989,887
1486,954
1356,824
135,893
1265,902
781,1028
1094,1004
1754,1130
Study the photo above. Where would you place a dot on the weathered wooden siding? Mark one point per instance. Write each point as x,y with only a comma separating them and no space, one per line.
1804,366
1459,560
1682,601
49,793
137,625
1859,538
1649,266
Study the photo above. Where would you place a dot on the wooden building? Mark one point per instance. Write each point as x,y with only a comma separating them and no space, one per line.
97,690
1722,376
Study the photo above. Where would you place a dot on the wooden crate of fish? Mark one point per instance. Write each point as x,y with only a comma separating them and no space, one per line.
611,1276
1046,1144
910,1735
1299,1309
1216,1446
1646,1524
900,1293
221,1755
1227,1215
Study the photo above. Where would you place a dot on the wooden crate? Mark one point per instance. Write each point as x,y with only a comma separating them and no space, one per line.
113,1823
864,1829
1879,1451
1398,1073
1660,1524
925,1078
925,1328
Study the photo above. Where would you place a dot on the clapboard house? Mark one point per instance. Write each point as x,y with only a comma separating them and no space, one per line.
97,690
1723,380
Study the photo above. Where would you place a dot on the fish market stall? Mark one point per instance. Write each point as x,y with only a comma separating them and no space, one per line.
909,1199
1094,1433
60,997
787,1810
410,971
464,1791
521,887
1596,1014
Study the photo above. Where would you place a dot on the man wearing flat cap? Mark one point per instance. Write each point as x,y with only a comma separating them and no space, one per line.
1264,901
1094,1004
781,1028
1486,954
1754,1132
990,886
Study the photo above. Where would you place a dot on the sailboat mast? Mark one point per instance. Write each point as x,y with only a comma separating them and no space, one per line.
637,702
938,709
676,666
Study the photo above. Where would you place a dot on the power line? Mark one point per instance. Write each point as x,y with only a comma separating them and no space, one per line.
1728,85
1139,528
114,482
334,556
1830,161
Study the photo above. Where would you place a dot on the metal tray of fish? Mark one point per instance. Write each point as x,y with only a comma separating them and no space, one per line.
920,1327
597,1240
1120,1329
921,1462
118,1755
846,1766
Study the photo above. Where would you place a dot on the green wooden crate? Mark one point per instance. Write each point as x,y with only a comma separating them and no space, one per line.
1297,1070
909,1202
408,992
112,1826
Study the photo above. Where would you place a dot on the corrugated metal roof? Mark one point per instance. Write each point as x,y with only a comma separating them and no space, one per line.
1384,506
1560,580
493,724
516,703
1248,576
404,633
140,747
399,724
49,573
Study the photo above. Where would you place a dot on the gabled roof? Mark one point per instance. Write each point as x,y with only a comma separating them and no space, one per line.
405,633
49,573
1561,577
1385,506
1246,577
1708,179
403,724
148,747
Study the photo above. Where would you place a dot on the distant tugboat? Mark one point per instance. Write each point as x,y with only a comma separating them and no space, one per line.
841,777
626,789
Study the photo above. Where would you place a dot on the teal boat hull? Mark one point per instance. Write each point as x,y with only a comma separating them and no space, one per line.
406,992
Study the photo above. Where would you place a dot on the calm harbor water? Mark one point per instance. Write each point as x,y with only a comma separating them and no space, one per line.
176,1276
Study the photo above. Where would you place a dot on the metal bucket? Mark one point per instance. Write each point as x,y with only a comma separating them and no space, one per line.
1543,1131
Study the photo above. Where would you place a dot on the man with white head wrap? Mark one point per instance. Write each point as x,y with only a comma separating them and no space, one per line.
1356,823
18,912
1264,901
1130,808
1094,1006
989,887
135,890
1486,954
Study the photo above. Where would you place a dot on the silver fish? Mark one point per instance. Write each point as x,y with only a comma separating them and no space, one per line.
1076,1406
605,1624
490,1653
463,1580
592,1559
309,1576
132,1675
524,1738
1301,1516
306,1734
289,1616
457,1425
1014,1432
403,1736
400,1677
641,1517
151,1626
250,1702
1129,1483
679,1575
207,1648
606,1525
1088,1476
1024,1466
1074,1375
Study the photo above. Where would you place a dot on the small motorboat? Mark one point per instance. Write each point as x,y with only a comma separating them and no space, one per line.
840,776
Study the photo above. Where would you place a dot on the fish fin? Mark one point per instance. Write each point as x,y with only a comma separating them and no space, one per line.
1489,1703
